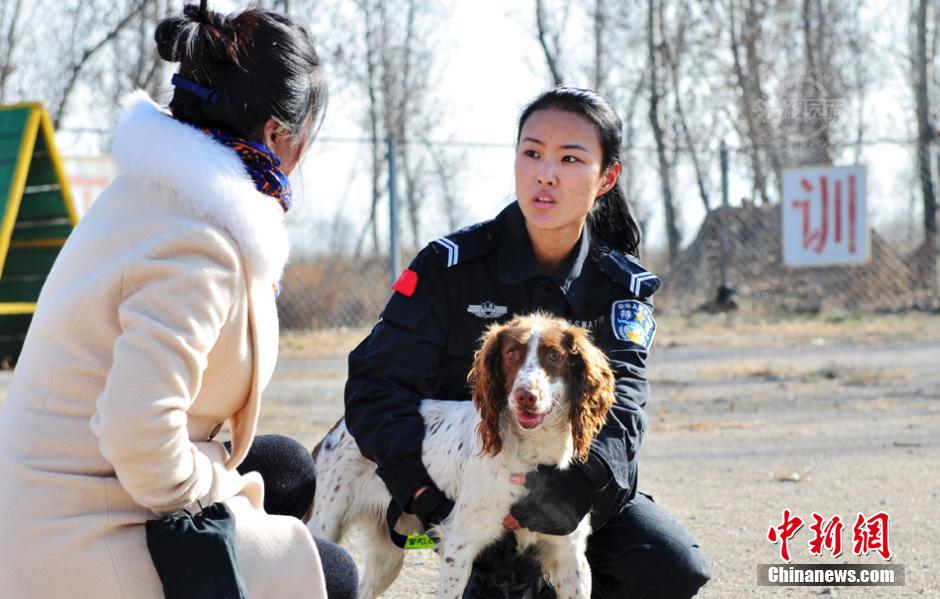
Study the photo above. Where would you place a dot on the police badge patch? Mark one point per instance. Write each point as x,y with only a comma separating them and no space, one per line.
632,321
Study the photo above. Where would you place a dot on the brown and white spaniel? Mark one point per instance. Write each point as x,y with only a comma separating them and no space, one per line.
541,391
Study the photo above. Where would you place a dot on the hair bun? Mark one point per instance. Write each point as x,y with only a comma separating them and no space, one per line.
202,40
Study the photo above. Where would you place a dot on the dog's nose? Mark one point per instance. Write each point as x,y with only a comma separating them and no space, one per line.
525,399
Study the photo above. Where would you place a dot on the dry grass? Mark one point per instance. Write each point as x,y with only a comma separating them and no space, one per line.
700,330
325,343
705,426
729,330
769,370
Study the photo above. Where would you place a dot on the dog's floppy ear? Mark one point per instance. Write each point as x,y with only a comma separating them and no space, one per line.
489,388
592,390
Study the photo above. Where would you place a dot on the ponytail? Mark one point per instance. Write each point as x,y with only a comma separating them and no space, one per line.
612,221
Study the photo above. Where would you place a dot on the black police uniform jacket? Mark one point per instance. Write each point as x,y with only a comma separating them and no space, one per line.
423,345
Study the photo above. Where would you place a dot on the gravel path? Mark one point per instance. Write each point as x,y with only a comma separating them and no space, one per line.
741,431
746,423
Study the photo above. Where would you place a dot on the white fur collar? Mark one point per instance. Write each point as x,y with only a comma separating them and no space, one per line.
208,177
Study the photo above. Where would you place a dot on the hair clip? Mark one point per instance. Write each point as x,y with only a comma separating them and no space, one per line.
194,88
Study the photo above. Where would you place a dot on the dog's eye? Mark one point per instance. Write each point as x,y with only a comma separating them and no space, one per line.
512,355
554,356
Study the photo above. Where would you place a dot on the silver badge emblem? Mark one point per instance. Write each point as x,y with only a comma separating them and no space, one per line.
487,309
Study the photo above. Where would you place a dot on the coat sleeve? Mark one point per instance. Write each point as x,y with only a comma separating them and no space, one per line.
391,371
175,301
618,444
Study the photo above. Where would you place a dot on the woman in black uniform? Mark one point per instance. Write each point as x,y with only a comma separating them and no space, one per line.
567,246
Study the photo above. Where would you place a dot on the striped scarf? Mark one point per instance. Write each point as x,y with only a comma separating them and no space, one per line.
261,163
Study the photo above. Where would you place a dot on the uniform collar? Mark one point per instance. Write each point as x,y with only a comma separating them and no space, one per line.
517,258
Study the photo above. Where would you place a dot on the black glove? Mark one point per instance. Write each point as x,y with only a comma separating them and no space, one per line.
558,500
431,506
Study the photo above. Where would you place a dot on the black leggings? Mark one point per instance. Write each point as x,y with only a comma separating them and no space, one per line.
289,485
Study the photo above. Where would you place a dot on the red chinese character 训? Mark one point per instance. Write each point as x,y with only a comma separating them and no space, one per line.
828,536
871,535
784,533
815,239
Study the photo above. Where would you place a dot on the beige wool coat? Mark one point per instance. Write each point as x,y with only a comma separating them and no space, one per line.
156,324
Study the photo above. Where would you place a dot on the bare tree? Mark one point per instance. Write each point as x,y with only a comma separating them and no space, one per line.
925,129
9,20
629,175
75,68
747,72
391,65
654,21
599,19
550,40
672,56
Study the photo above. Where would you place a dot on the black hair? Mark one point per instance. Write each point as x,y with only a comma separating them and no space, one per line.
260,63
611,218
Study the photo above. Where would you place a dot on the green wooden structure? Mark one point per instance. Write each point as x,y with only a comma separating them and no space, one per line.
37,216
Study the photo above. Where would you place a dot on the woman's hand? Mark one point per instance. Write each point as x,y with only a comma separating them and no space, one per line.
510,522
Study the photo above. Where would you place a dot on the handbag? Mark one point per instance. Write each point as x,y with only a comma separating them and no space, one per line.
194,554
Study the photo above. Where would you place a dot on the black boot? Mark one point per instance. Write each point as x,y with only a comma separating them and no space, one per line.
484,585
501,572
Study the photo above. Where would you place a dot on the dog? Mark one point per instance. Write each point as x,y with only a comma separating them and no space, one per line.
541,391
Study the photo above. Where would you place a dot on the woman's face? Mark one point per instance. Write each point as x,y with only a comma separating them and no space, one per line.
559,172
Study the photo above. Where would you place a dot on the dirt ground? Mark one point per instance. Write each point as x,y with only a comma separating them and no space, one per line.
835,415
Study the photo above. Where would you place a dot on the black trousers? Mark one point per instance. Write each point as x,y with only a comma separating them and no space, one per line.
643,552
289,485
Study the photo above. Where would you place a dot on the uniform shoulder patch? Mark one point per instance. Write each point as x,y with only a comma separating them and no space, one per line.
630,273
632,321
463,245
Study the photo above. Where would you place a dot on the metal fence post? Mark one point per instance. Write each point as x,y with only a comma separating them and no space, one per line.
394,251
725,291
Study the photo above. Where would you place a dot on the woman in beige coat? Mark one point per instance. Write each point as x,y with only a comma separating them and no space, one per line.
158,323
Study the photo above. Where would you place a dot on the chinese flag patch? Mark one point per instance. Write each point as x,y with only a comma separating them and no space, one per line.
406,283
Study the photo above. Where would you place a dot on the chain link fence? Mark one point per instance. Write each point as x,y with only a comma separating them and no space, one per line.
331,291
898,276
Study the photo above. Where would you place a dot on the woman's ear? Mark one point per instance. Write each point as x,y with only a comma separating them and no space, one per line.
609,178
592,391
269,134
277,139
489,388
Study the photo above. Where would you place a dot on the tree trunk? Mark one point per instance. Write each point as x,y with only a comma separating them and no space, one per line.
551,53
669,212
599,27
925,135
682,126
748,107
7,46
59,112
375,142
628,162
814,29
753,33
